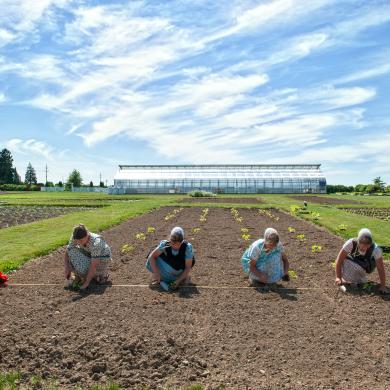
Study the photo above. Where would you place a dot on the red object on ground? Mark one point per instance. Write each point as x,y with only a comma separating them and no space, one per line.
3,280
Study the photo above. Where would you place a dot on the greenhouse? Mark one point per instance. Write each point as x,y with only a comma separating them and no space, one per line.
227,178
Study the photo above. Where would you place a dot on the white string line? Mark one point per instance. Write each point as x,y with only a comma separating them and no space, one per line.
181,287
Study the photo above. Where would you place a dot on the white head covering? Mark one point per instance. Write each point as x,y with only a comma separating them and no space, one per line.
365,235
178,232
270,232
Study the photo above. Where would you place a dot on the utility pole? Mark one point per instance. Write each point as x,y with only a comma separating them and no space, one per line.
100,178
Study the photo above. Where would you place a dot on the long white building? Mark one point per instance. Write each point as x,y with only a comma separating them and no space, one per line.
226,178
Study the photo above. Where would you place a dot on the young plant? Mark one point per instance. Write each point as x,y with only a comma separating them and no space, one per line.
292,274
196,230
291,229
246,237
244,230
333,264
316,248
315,216
127,248
301,236
294,209
368,286
151,229
140,236
342,227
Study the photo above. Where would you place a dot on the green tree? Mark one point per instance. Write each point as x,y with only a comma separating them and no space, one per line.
16,179
6,173
91,183
101,184
30,176
75,178
379,184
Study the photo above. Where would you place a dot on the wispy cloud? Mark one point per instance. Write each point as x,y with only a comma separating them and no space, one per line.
31,147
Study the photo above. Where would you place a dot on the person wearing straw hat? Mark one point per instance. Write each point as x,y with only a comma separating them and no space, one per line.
171,261
265,260
86,258
359,257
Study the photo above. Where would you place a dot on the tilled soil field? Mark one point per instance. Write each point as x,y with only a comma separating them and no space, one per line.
327,200
302,334
17,215
223,200
380,213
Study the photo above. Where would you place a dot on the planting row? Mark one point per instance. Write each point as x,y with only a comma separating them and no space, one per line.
18,215
383,213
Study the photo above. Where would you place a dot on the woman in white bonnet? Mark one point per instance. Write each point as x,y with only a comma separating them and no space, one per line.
172,261
265,260
359,257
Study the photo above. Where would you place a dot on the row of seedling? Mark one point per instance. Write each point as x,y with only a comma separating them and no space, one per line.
245,234
203,215
236,215
301,237
268,214
172,214
127,248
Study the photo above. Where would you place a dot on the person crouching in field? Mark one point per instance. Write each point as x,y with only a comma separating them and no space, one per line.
172,261
87,256
265,260
359,257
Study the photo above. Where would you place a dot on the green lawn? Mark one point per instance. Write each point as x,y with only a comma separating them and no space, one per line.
24,242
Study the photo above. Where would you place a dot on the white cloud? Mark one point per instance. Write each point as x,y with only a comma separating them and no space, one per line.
364,74
2,97
31,146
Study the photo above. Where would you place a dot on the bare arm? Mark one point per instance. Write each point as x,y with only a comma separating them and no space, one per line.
153,263
184,275
91,273
382,274
67,266
261,276
339,262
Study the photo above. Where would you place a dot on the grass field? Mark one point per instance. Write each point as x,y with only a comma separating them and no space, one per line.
23,242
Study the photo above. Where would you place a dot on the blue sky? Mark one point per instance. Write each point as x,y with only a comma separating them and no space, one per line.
93,84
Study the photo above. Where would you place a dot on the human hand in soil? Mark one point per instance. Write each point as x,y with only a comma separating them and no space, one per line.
384,290
84,286
338,281
156,278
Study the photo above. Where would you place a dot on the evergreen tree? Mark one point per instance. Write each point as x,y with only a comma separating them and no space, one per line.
75,178
6,173
30,177
379,184
91,183
16,179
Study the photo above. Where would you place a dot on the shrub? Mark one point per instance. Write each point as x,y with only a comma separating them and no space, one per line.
201,194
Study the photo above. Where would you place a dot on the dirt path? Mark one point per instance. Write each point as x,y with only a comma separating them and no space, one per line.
239,338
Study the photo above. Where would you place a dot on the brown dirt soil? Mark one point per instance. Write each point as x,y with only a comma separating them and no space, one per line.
18,215
223,200
379,213
241,338
321,200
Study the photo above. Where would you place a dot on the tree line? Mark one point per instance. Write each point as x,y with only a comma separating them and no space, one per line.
377,186
10,179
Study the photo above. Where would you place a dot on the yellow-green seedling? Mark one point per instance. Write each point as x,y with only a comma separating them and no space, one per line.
151,229
140,236
196,230
246,237
295,209
292,274
315,215
301,236
291,229
244,230
333,264
316,248
127,248
342,227
368,286
239,219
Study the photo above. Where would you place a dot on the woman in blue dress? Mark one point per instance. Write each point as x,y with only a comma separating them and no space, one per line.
265,260
172,261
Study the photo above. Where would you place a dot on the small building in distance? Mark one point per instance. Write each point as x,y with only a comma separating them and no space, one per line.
219,178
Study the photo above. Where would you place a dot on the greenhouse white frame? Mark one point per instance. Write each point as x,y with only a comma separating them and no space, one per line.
219,178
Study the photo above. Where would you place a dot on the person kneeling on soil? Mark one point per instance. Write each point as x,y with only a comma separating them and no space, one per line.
171,262
87,256
359,257
265,260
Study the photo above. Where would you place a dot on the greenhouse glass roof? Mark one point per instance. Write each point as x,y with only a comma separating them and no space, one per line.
215,172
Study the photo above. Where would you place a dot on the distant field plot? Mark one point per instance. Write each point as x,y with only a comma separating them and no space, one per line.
18,215
379,213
